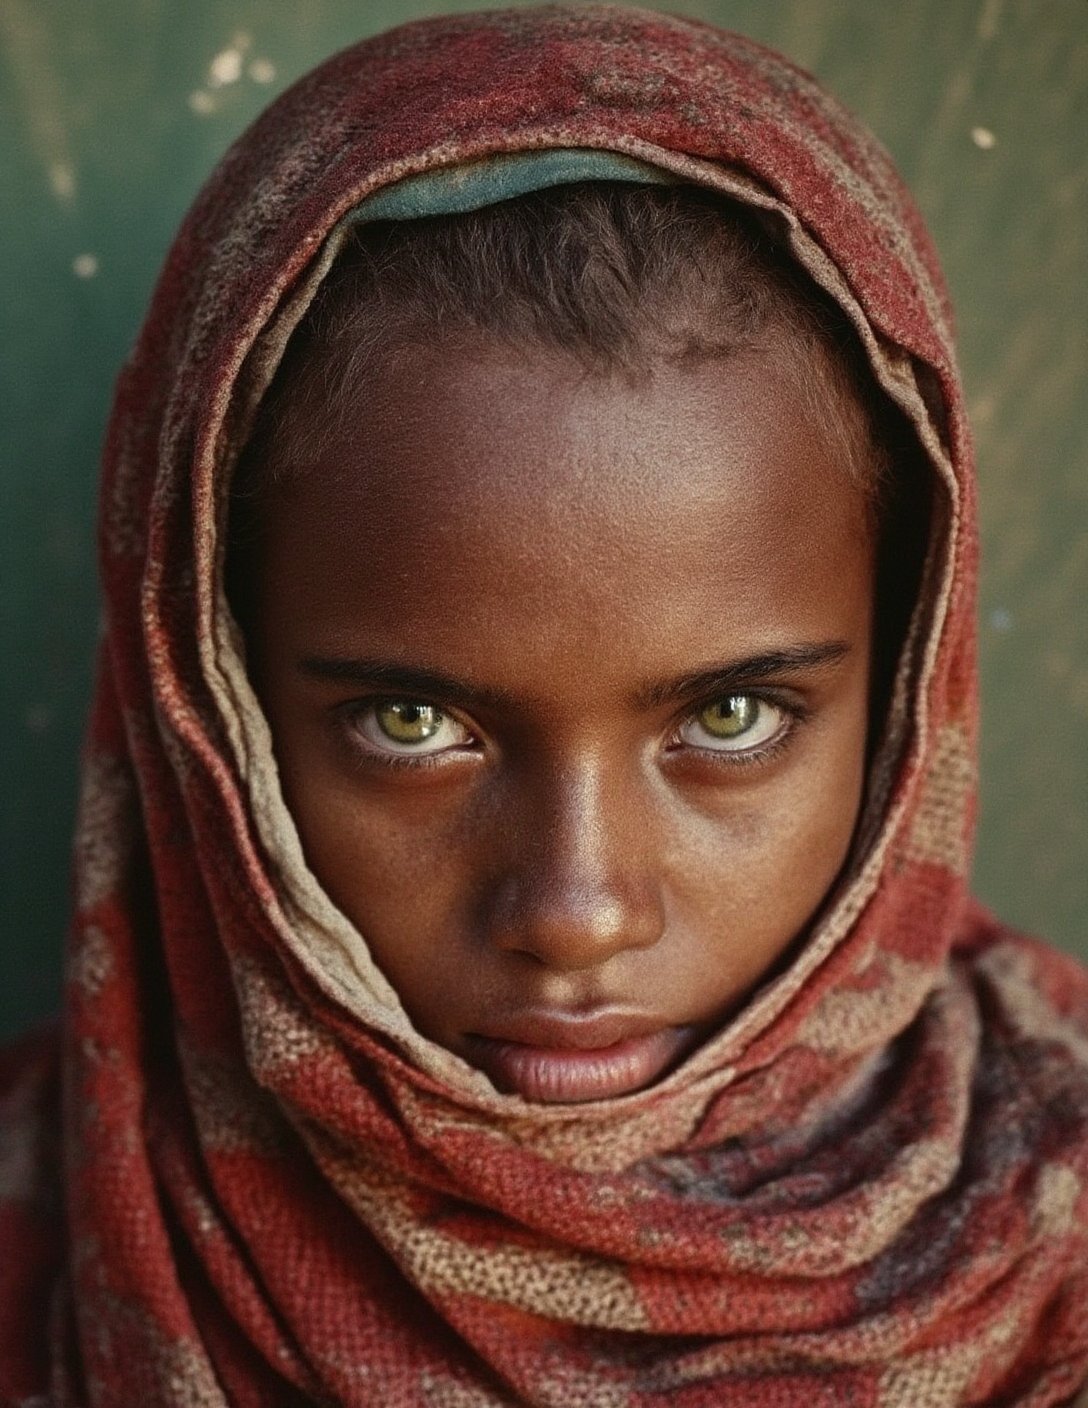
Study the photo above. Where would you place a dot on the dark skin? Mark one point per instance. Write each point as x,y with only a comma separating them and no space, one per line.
568,680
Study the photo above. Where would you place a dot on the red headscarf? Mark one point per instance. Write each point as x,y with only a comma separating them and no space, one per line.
870,1188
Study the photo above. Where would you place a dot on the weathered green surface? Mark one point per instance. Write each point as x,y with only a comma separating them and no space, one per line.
114,110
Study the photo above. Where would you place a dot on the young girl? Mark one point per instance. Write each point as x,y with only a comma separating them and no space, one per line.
522,952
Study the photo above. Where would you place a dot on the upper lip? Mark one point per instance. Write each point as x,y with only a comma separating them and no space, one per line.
588,1030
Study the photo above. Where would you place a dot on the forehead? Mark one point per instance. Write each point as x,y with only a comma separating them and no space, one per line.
469,495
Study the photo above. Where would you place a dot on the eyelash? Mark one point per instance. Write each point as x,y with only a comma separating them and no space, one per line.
795,714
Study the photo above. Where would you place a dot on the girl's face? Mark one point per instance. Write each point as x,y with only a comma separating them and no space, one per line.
567,677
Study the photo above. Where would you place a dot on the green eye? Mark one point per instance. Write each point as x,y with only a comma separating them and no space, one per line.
407,727
731,716
735,723
403,722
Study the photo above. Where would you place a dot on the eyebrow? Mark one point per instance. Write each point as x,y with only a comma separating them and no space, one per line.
746,671
409,681
414,682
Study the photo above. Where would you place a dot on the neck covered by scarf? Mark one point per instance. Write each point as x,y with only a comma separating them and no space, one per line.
871,1187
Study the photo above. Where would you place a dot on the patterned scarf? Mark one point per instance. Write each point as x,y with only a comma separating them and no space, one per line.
870,1188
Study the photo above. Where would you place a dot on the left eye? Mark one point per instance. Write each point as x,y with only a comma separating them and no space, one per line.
735,723
408,726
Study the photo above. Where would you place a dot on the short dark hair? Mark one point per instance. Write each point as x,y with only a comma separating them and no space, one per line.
617,275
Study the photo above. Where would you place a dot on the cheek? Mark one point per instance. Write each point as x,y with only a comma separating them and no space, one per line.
399,871
370,856
750,875
758,878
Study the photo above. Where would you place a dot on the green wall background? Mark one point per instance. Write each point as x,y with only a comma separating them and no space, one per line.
113,111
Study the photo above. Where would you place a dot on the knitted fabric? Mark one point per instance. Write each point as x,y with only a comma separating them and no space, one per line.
870,1188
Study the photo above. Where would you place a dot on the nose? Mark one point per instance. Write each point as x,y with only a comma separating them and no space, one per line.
579,884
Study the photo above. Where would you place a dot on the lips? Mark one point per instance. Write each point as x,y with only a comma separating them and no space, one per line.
558,1058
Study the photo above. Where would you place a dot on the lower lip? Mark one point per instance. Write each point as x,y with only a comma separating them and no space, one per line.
554,1075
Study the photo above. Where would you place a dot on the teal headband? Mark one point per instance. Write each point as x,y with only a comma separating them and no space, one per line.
452,190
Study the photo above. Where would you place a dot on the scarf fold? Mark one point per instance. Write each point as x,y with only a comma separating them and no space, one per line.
871,1187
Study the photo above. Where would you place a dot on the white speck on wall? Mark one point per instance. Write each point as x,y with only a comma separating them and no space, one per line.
225,68
62,180
262,71
85,266
1001,619
983,138
202,103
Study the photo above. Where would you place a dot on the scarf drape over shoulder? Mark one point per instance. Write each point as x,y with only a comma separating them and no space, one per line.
871,1187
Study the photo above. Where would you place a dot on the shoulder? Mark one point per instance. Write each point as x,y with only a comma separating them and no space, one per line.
1025,1136
1030,1080
1030,989
31,1216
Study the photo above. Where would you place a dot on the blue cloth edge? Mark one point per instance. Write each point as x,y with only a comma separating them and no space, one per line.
453,190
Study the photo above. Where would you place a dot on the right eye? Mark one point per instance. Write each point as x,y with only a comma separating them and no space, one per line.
736,723
407,727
